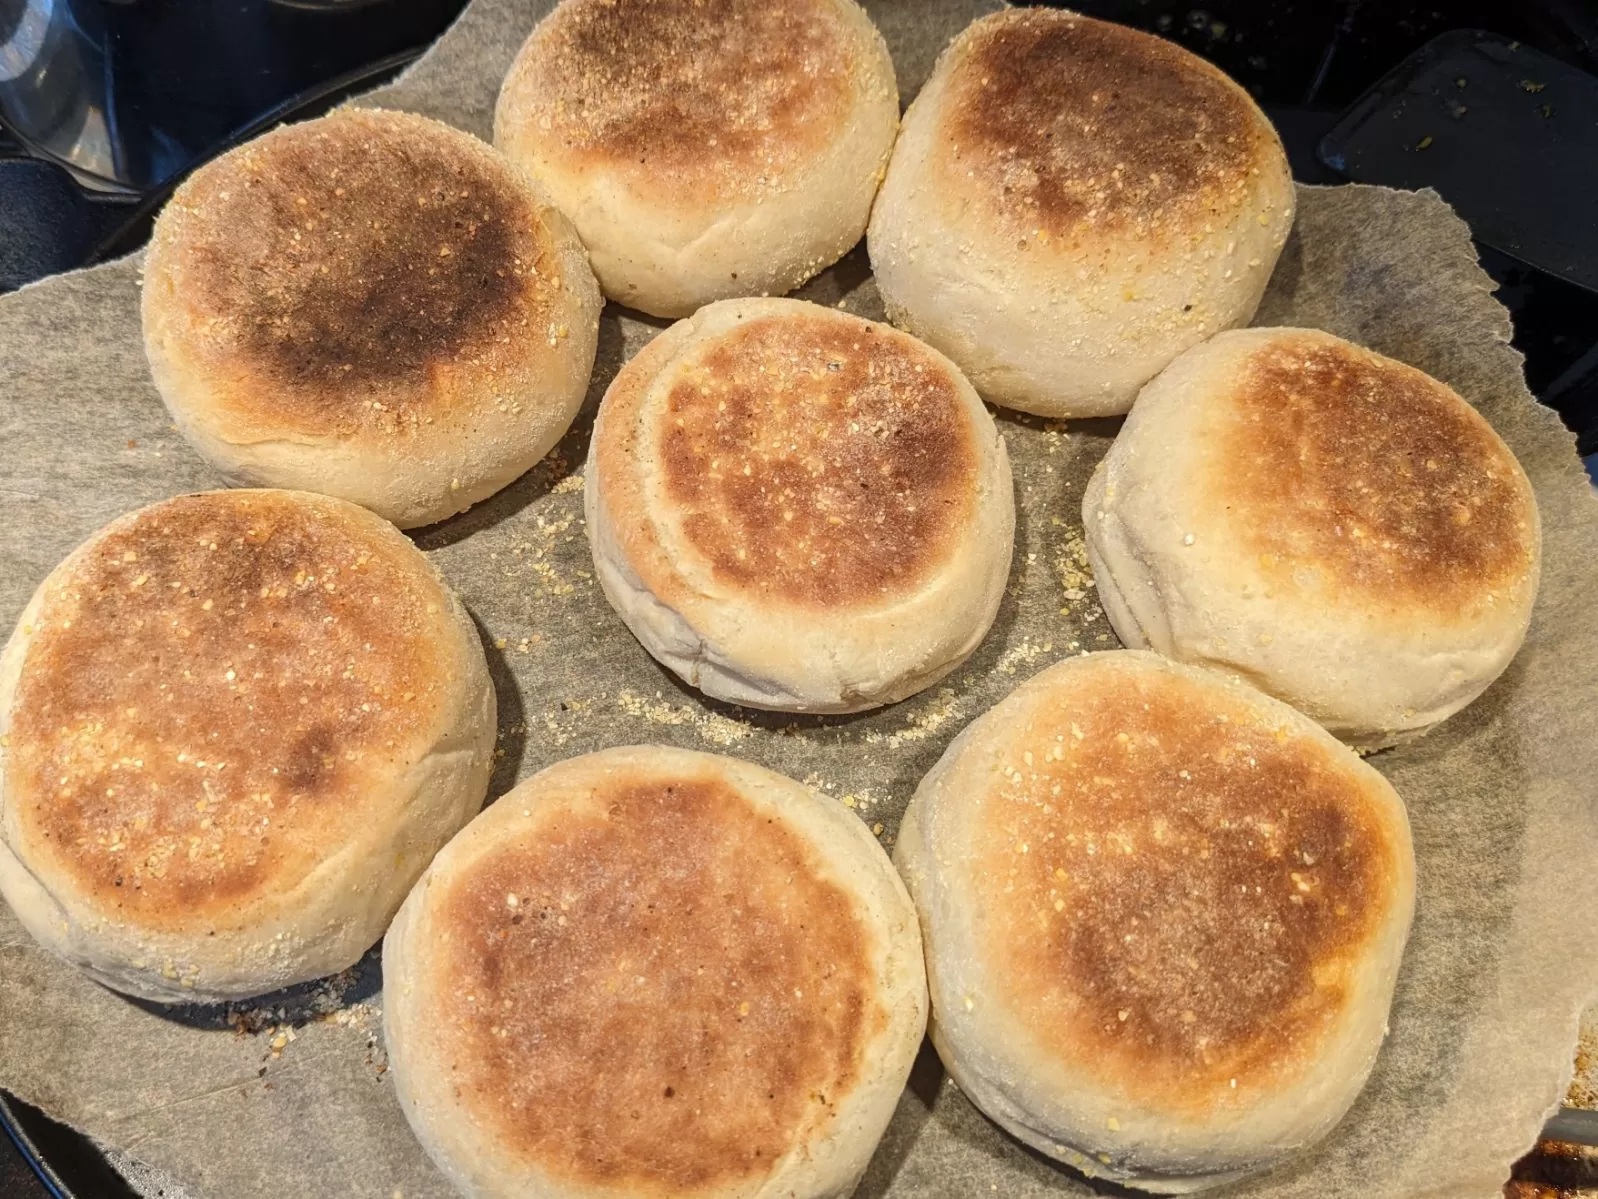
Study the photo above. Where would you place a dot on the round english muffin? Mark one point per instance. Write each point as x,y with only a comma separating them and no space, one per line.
649,971
795,508
373,306
704,148
1340,529
1071,204
236,728
1163,917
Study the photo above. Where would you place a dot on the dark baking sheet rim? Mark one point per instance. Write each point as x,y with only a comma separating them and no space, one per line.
65,1162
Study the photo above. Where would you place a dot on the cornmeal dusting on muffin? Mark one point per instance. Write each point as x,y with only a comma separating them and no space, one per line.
846,439
1375,476
733,94
345,262
1070,124
207,688
1181,886
677,998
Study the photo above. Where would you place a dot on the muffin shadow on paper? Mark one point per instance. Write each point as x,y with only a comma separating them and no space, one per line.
292,1007
512,740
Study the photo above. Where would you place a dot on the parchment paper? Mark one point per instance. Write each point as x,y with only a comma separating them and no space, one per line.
1501,799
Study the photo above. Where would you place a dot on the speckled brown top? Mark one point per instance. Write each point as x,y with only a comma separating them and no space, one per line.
1176,889
725,95
343,261
653,991
206,696
1065,123
1372,476
819,459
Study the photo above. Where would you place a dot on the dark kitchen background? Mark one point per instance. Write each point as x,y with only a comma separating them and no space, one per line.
106,104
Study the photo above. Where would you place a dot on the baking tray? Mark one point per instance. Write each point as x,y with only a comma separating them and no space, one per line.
1506,134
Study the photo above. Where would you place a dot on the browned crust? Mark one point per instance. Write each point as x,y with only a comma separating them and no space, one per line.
1372,475
733,95
342,264
210,690
1067,125
1179,891
654,989
814,460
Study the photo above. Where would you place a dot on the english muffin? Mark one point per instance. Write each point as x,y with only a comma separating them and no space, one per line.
704,148
648,971
373,306
795,508
1071,204
1163,917
1338,528
236,726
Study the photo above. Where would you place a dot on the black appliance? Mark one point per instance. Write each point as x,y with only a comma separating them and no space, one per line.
106,104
